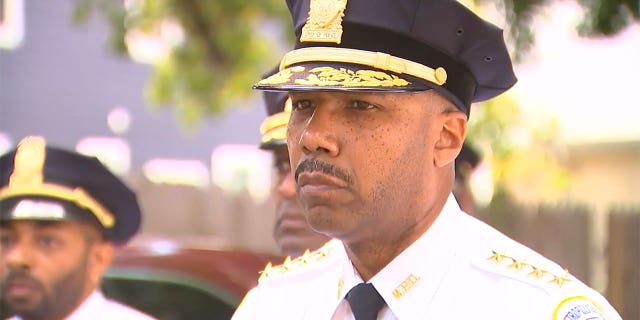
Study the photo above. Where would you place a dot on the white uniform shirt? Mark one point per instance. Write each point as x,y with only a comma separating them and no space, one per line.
460,268
98,307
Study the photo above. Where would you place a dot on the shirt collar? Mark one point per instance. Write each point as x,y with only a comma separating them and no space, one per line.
411,280
88,307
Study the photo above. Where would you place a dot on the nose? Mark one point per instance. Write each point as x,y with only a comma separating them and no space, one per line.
16,256
286,186
318,134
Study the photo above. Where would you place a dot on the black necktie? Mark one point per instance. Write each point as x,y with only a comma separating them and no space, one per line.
365,301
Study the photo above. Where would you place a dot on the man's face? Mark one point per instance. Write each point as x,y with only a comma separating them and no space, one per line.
291,231
365,161
47,268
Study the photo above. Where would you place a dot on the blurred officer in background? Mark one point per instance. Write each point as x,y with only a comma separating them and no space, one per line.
61,214
291,231
381,92
466,162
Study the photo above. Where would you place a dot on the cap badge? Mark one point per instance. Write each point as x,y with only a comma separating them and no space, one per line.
28,162
325,21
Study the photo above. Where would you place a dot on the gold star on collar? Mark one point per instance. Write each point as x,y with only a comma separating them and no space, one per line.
305,256
561,280
293,264
537,272
497,256
265,273
518,265
286,264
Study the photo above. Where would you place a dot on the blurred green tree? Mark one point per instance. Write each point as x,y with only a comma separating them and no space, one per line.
205,54
215,50
218,50
601,18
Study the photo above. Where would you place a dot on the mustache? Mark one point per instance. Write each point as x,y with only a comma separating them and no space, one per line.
315,165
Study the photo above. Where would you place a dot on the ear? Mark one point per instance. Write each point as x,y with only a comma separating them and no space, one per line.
100,258
452,134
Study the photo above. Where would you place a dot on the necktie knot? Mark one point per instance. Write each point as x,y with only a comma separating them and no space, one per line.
365,301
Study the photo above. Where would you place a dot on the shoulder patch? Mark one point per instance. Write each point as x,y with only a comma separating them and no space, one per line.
544,276
578,308
300,263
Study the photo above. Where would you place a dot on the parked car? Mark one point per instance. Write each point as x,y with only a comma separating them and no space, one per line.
175,283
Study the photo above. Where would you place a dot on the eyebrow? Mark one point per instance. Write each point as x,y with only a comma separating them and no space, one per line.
37,224
47,223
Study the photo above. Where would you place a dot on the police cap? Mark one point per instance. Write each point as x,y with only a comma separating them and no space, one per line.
394,46
40,182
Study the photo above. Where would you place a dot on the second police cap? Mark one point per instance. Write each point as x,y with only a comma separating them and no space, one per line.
42,182
274,128
394,46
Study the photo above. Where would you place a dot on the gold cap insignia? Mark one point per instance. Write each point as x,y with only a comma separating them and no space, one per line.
325,21
28,162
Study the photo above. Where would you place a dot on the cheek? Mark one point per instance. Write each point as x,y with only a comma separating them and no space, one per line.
376,157
293,137
51,270
377,147
295,127
64,259
397,153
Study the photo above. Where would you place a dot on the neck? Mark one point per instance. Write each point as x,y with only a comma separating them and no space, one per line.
371,255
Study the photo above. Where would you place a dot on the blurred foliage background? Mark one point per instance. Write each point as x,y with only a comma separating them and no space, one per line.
211,52
218,50
601,18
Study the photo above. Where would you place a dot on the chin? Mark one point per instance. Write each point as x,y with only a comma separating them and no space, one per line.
332,228
292,251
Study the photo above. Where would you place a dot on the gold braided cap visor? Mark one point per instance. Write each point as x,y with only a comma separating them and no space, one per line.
275,136
77,196
341,68
274,128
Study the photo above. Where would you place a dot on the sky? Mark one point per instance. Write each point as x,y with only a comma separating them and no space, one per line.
590,85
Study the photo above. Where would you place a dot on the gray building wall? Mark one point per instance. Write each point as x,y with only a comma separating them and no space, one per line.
62,81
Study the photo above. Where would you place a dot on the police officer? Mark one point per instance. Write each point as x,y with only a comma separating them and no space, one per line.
381,92
61,214
291,231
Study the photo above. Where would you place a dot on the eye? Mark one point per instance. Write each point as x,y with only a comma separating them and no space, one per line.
362,105
301,104
47,241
